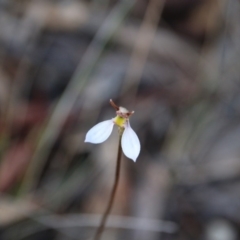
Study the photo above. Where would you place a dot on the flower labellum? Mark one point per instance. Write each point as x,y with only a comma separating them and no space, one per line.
130,142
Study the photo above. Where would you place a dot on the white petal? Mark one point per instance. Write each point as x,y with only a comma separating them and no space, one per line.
100,132
130,143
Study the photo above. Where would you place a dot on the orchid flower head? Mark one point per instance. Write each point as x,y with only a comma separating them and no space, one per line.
129,141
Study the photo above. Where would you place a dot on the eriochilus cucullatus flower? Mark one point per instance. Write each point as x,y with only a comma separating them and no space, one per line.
129,139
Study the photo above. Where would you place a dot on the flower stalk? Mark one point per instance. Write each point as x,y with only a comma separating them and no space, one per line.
128,143
101,227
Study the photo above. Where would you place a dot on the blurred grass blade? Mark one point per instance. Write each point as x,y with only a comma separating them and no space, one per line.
73,91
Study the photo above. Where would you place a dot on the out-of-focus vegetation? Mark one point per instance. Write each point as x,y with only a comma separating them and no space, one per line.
175,63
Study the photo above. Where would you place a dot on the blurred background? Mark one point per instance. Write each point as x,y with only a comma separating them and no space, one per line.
175,63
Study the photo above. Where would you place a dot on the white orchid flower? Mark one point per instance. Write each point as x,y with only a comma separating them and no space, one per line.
130,142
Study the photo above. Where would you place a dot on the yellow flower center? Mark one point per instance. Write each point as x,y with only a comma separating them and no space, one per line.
120,121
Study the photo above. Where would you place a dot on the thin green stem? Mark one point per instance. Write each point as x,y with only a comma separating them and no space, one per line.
72,92
101,227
